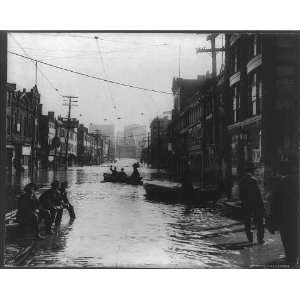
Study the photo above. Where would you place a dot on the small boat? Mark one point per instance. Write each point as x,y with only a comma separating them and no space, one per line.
172,192
163,190
117,179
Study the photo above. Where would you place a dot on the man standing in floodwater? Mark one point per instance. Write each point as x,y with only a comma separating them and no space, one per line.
187,184
252,204
284,210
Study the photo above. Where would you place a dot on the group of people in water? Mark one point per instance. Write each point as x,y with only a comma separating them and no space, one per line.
48,207
122,175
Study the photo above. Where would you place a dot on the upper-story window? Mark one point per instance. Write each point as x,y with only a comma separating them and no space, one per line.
235,60
255,94
255,46
236,104
8,125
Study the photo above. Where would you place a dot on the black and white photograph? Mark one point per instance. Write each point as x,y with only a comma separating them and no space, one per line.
150,149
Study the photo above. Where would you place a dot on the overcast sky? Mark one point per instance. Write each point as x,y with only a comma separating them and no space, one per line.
148,60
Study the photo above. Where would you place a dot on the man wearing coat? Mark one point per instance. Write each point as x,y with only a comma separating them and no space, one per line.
284,210
252,204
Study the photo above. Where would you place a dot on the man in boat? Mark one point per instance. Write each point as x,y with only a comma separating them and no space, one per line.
252,204
122,174
28,210
50,201
135,174
114,172
65,201
283,215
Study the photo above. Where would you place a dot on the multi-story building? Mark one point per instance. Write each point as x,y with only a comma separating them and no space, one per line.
159,142
135,135
47,138
263,81
23,110
107,131
89,146
197,130
186,128
62,125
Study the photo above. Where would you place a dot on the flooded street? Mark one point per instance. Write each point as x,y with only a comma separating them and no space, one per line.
117,226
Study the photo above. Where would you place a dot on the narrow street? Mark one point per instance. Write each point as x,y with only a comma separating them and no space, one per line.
117,226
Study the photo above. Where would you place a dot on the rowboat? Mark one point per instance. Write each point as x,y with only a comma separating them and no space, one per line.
172,192
124,179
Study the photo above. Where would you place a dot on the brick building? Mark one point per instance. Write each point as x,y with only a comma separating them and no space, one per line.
159,140
263,90
185,129
22,113
47,138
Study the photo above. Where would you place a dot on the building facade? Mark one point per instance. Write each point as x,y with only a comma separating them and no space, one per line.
89,146
159,141
186,128
263,83
23,110
47,138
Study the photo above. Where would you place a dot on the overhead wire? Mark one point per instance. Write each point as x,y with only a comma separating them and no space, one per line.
48,80
105,74
76,35
90,76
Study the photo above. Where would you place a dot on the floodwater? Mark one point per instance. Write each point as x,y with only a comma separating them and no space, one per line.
117,226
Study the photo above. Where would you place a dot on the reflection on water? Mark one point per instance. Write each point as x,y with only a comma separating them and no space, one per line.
116,226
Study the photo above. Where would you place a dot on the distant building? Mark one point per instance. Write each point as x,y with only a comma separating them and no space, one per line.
47,135
89,146
107,131
135,135
159,139
62,130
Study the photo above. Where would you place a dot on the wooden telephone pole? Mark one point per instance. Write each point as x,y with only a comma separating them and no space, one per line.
70,102
213,50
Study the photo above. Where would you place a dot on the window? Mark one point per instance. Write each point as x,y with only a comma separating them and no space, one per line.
235,60
8,125
236,104
255,46
21,126
255,94
260,95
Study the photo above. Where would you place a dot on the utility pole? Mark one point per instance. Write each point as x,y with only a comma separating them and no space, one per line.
33,144
36,69
213,50
70,101
148,148
3,91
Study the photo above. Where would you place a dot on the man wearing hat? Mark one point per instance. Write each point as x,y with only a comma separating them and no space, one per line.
252,204
65,201
50,201
284,210
28,209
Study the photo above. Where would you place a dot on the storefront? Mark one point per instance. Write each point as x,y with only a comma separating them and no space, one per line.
25,159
